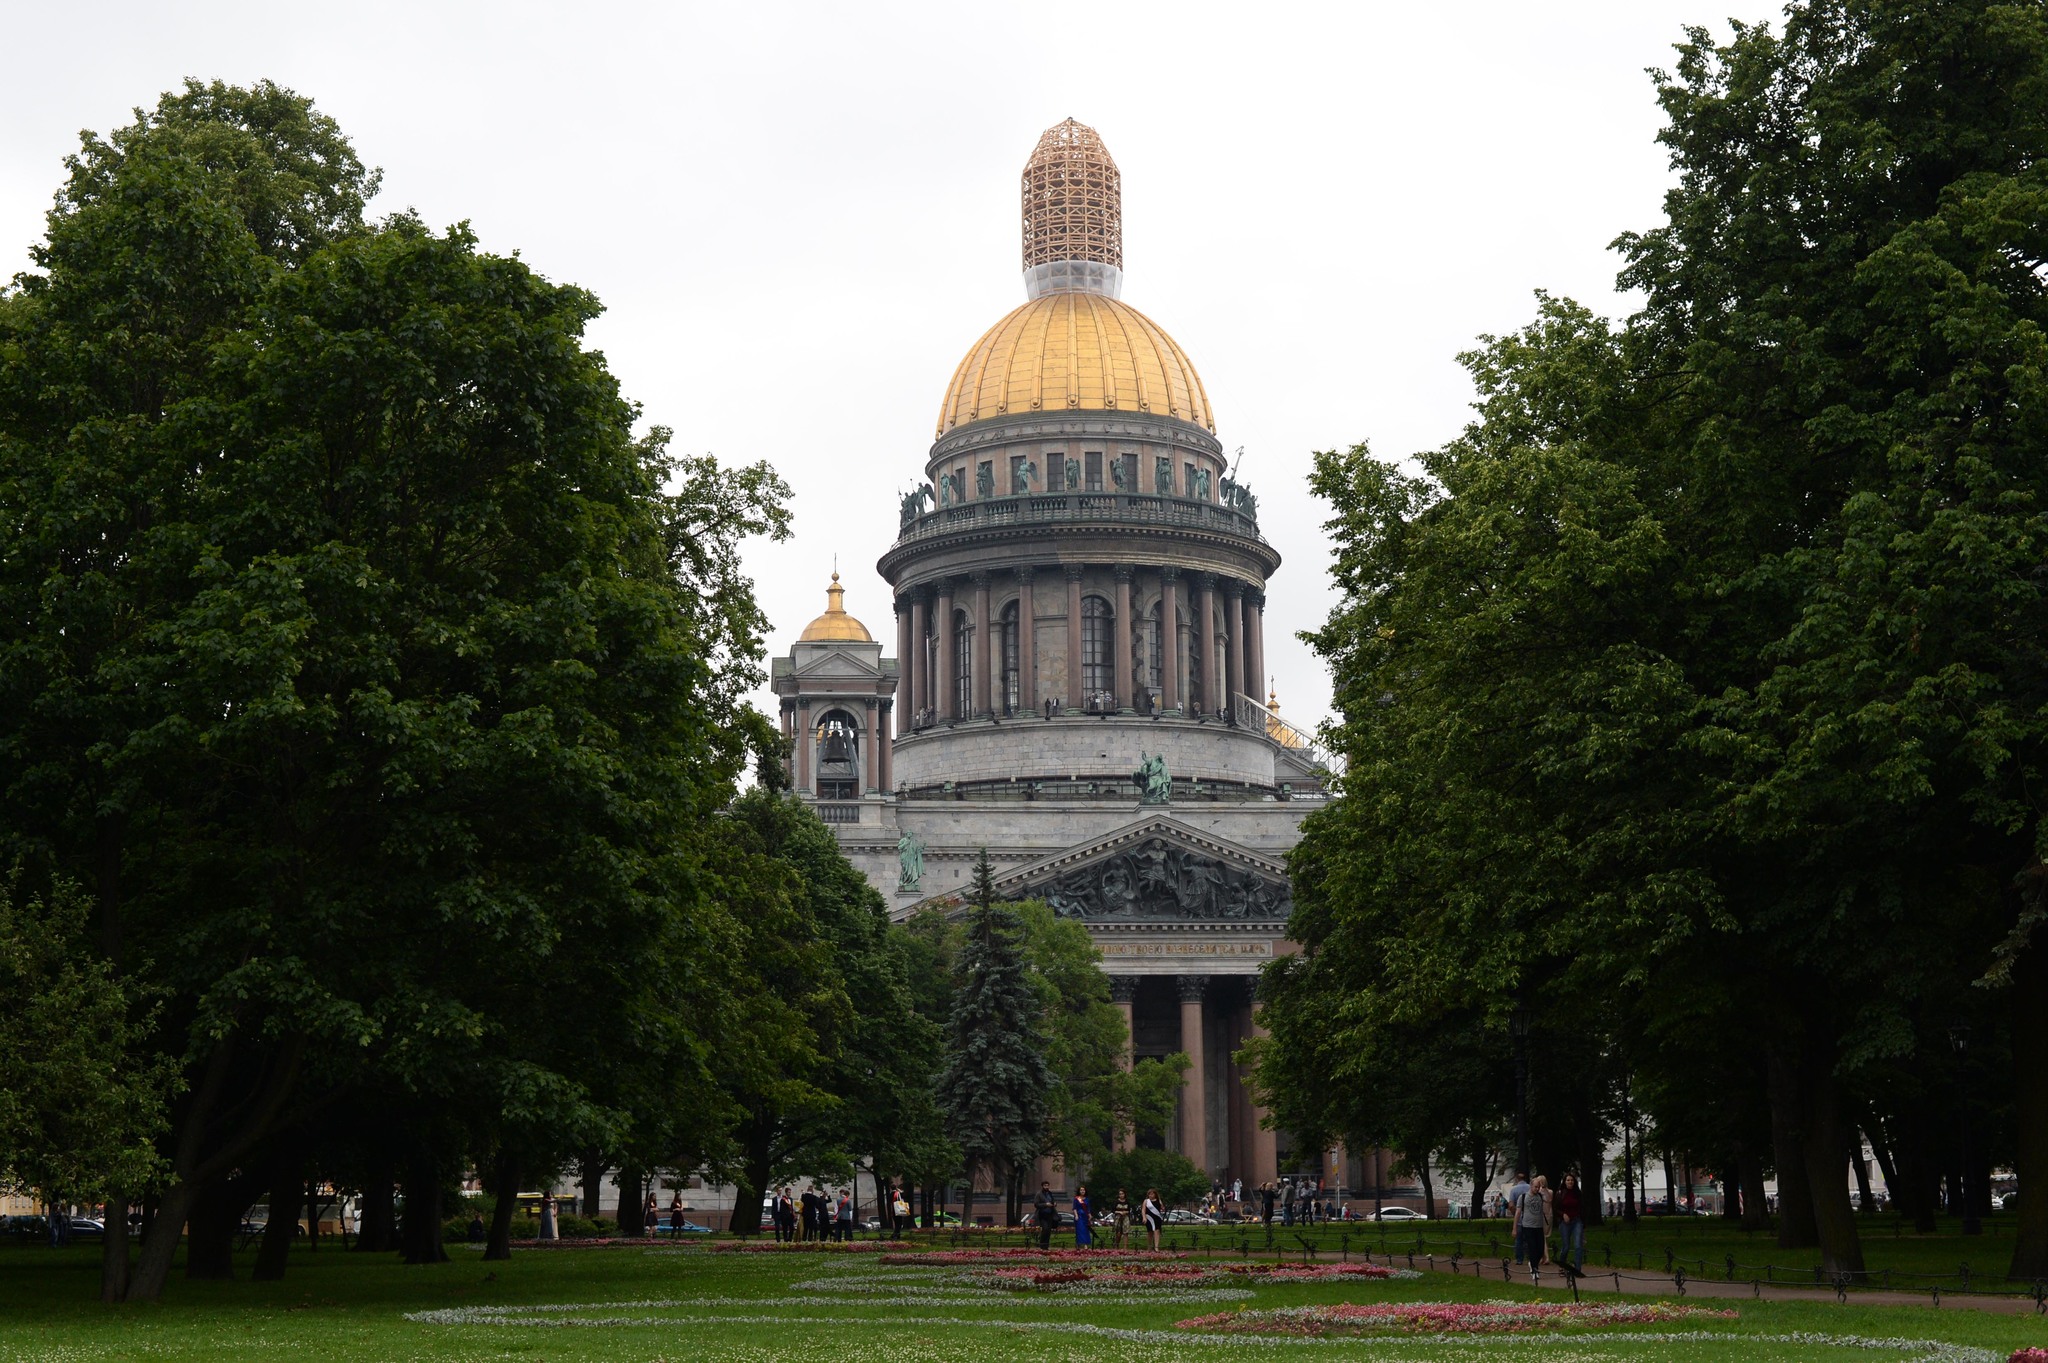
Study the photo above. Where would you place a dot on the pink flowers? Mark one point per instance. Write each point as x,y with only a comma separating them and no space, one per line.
811,1246
2028,1356
956,1258
1313,1273
1444,1318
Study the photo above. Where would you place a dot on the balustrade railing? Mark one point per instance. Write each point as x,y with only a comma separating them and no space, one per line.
1113,508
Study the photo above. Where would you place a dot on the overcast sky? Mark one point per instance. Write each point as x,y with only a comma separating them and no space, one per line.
799,216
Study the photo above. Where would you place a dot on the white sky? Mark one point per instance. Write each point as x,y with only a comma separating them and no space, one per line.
801,215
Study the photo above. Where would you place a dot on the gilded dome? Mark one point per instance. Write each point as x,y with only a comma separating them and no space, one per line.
1075,351
835,625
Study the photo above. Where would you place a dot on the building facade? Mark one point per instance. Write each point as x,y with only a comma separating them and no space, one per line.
1078,587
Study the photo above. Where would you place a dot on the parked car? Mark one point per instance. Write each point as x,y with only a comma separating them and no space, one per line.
88,1228
1396,1214
1181,1217
24,1227
689,1228
2009,1203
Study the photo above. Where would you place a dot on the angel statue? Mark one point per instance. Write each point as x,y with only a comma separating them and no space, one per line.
909,860
1155,787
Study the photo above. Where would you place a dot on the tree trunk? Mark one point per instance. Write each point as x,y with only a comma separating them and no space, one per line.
1881,1149
1796,1229
114,1249
1428,1187
885,1207
160,1242
1866,1200
420,1236
1756,1203
275,1251
632,1194
1482,1170
2028,998
1918,1190
504,1187
315,1204
377,1223
1841,1242
210,1238
593,1167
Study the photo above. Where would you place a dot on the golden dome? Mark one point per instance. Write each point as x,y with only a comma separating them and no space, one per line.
1278,729
835,625
1066,352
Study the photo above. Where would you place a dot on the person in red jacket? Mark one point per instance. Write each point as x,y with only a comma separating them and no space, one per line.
1571,1226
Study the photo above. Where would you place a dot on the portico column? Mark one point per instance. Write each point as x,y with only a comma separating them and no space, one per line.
1233,661
984,640
1255,643
947,701
869,746
920,659
903,665
1194,1104
1123,992
1169,640
887,782
1204,639
1265,1141
1027,646
803,747
1073,697
1126,674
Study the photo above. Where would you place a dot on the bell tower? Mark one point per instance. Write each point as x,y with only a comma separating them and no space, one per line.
837,693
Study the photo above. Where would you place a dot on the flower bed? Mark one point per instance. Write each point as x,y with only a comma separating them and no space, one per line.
1444,1318
1063,1276
811,1246
2028,1356
967,1258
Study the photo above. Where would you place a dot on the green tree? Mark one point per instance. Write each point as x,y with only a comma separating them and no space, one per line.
995,1087
348,618
1179,1180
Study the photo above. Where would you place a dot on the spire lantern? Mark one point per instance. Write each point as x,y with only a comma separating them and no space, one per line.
1073,215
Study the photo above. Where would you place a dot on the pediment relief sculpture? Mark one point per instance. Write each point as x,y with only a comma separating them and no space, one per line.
1158,880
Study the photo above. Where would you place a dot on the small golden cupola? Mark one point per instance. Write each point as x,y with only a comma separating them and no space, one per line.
835,625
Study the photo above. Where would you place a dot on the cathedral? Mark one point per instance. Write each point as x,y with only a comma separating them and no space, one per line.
1078,585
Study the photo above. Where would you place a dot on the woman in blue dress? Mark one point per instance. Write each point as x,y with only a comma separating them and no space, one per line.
1081,1217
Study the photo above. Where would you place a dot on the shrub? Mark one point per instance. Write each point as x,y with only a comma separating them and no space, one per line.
1173,1174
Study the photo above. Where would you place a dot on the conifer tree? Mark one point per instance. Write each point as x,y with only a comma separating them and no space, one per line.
995,1087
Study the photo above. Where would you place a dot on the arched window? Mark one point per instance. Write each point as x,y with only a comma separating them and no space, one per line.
1098,650
1012,678
838,756
963,665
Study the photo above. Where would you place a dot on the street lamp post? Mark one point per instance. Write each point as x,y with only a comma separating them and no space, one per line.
1959,1039
1518,1024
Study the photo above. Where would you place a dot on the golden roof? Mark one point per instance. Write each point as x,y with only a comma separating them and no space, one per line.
1075,352
1278,729
835,625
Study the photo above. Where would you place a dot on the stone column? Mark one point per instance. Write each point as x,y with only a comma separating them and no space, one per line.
985,647
920,659
887,781
1169,640
1265,1141
870,746
1255,644
1126,676
1123,992
1205,638
1233,658
901,694
1073,697
946,701
1194,1100
803,747
1027,646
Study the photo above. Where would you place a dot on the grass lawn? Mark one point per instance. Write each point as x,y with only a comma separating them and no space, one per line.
658,1303
1701,1245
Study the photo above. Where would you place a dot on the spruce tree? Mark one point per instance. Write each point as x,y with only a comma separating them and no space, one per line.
995,1087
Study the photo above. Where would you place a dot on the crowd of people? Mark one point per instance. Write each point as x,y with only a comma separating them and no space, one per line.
815,1215
1150,1214
1538,1213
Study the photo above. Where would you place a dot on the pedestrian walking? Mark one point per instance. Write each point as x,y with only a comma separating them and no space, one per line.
1154,1213
1045,1214
1571,1225
1511,1208
1532,1224
845,1217
1083,1230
